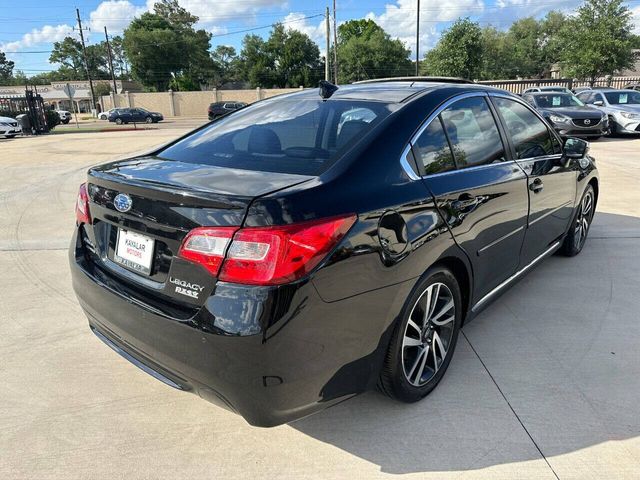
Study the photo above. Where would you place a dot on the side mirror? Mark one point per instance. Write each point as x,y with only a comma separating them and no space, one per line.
575,149
598,103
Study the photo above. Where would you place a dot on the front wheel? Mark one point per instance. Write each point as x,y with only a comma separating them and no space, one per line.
577,236
148,120
118,121
424,338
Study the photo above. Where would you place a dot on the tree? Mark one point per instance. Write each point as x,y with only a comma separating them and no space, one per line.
296,57
524,40
256,65
288,58
458,53
6,69
225,65
495,61
598,40
68,53
365,51
165,50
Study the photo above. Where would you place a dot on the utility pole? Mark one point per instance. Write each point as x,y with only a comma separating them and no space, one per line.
418,39
335,45
326,57
86,63
113,75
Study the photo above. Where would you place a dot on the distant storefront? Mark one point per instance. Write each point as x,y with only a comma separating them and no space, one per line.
54,95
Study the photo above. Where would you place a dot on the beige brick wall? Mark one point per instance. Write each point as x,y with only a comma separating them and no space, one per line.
188,104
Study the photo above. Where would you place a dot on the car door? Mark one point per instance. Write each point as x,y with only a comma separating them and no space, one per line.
480,193
551,181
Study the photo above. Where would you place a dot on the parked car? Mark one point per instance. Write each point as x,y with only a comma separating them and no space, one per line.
568,115
277,266
105,115
632,86
546,89
621,106
65,116
219,109
9,127
134,115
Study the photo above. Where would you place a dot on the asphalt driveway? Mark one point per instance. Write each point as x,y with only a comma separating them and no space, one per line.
545,383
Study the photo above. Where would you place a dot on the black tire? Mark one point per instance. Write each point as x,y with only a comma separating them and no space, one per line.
415,385
148,120
613,127
593,139
118,121
577,236
66,121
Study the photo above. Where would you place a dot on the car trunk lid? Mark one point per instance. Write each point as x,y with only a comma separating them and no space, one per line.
166,200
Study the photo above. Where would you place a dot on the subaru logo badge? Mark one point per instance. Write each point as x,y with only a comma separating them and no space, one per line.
122,202
587,122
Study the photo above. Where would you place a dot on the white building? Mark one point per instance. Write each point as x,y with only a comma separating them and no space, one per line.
55,96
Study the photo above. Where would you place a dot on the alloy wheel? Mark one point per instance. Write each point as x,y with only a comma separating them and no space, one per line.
585,214
428,334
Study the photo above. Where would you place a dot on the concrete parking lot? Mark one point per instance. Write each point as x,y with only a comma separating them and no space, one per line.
545,383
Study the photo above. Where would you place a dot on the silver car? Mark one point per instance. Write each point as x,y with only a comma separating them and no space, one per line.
621,106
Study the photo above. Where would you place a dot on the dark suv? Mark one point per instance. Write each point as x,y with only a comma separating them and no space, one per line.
308,248
219,109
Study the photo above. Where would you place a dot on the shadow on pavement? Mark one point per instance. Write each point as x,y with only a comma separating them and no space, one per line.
562,347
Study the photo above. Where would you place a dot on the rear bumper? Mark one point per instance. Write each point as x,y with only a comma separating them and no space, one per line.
306,356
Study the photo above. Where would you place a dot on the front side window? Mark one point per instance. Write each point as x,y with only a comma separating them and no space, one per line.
432,149
473,133
281,135
529,134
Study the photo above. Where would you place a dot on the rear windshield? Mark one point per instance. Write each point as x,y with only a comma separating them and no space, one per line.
281,135
623,98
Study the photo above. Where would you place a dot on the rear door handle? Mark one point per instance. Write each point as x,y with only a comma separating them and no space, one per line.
536,186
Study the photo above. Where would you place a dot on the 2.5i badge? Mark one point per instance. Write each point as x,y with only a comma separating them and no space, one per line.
191,290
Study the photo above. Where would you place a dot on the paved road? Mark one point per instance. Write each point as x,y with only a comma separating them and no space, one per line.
545,383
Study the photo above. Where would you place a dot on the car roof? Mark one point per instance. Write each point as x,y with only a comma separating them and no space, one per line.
390,91
547,92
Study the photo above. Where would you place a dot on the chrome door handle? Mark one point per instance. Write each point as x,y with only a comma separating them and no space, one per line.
536,186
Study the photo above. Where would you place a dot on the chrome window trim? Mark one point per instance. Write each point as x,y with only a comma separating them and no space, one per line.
406,166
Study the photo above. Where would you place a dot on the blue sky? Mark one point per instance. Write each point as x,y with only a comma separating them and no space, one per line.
33,25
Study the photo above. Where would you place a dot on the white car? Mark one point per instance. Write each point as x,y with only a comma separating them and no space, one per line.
105,115
65,116
9,127
621,106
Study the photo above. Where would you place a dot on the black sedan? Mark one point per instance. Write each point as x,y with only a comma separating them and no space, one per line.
309,248
569,116
134,115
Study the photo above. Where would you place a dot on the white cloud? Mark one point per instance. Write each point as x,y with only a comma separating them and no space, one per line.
399,19
636,20
115,15
46,34
317,32
212,12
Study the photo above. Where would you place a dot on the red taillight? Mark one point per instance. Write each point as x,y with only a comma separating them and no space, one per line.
207,246
82,205
265,255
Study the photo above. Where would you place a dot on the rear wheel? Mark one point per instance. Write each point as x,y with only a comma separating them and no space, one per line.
424,338
577,236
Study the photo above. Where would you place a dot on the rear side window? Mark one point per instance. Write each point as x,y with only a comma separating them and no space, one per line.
281,135
473,133
529,134
432,149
